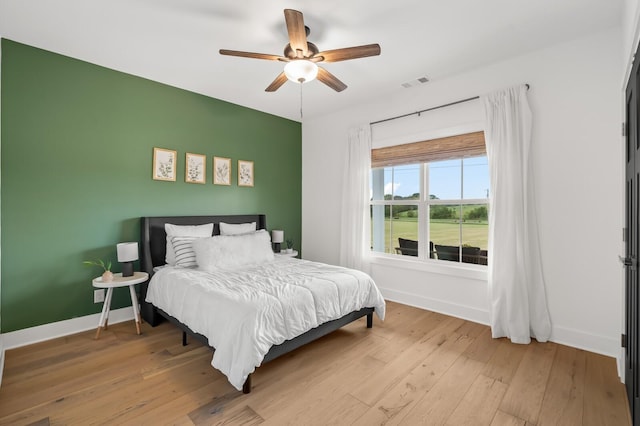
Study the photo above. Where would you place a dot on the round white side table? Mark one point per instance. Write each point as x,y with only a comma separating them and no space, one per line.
119,281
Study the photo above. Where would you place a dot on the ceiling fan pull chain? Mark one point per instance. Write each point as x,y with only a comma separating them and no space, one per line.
300,101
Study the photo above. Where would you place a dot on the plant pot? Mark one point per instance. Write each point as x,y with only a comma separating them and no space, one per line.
107,277
289,250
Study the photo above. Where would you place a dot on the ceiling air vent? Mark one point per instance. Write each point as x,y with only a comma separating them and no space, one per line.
416,82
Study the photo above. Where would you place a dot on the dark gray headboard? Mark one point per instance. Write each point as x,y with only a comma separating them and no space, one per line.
153,244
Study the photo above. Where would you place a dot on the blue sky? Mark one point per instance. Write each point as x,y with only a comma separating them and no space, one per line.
444,179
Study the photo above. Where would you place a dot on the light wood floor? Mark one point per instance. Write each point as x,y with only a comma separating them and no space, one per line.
416,367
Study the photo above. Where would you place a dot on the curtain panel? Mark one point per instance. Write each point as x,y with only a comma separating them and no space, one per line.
355,233
517,295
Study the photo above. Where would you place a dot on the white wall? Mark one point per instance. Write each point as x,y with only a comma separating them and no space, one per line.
575,99
630,17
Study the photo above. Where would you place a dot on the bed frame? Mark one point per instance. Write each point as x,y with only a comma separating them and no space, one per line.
153,245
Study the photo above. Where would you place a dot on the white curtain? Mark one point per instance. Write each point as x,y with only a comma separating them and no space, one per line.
516,283
354,235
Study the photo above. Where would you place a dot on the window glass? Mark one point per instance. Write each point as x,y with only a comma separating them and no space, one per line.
403,230
406,182
444,230
400,223
475,233
445,179
475,178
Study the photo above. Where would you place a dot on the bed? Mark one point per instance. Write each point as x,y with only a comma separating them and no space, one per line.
268,309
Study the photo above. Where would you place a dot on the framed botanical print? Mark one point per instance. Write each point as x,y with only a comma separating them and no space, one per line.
195,168
245,173
221,171
164,164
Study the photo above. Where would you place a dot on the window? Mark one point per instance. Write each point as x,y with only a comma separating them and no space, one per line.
436,208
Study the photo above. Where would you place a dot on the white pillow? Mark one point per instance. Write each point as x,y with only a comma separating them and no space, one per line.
202,231
183,249
233,251
237,228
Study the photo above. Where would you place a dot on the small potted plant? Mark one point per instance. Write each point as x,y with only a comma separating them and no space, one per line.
289,245
107,275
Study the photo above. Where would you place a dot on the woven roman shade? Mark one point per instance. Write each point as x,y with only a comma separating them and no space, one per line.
459,146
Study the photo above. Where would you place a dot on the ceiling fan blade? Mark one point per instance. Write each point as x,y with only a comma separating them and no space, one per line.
252,55
279,81
297,31
330,80
350,53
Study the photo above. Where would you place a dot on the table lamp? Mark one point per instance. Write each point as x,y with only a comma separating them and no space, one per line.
277,237
127,254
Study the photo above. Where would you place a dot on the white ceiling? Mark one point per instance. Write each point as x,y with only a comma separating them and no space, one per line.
177,41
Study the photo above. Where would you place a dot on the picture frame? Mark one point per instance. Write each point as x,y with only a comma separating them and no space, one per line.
195,169
221,171
245,173
164,164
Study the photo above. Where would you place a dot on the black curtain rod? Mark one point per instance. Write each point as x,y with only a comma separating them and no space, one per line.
429,109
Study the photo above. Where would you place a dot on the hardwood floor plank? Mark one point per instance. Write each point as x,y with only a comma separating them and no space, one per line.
398,321
344,411
483,347
281,383
244,416
85,375
150,396
503,419
604,395
480,403
41,422
101,357
564,396
530,380
130,397
417,366
438,404
399,400
347,410
401,336
505,361
331,393
379,383
178,409
278,383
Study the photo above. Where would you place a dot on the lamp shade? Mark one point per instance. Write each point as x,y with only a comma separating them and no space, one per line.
301,70
127,252
277,236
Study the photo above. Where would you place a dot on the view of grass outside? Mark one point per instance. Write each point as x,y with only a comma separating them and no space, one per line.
475,232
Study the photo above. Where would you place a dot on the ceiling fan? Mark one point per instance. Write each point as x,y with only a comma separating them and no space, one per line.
302,56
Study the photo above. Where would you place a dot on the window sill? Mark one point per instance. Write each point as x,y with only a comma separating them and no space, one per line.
476,272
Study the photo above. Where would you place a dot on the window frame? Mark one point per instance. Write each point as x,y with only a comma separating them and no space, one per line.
424,204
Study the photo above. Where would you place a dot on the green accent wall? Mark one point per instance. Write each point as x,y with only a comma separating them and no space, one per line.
77,144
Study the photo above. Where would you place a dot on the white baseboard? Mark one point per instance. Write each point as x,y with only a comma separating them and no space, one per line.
603,345
436,305
28,336
621,365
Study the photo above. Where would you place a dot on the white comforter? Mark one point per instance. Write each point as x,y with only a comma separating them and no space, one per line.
245,312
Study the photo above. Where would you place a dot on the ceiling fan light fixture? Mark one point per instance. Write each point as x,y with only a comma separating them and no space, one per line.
301,70
301,56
